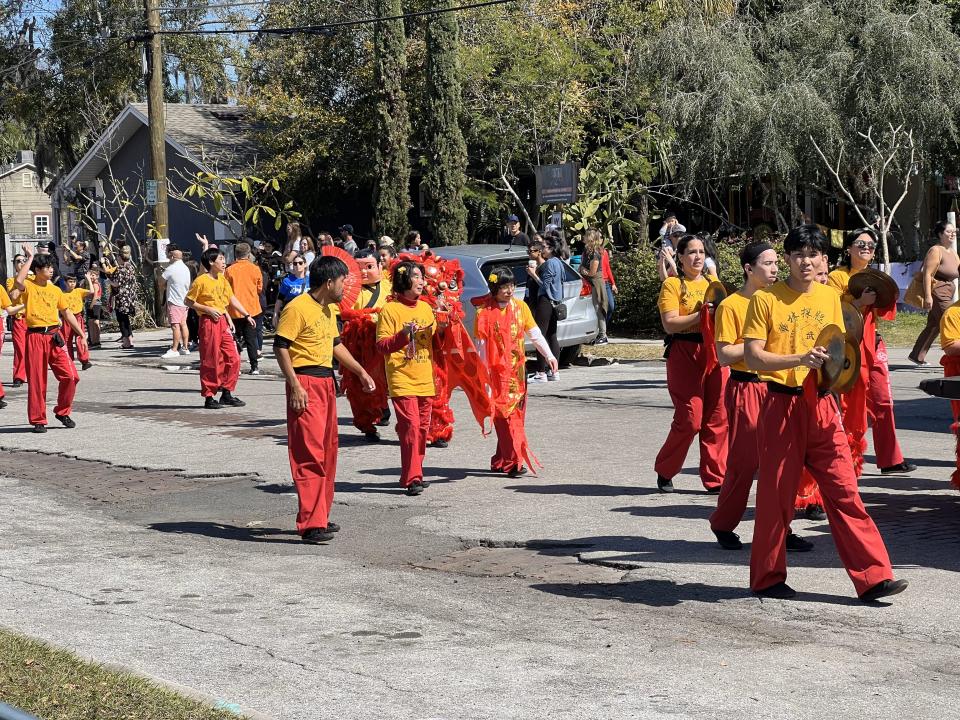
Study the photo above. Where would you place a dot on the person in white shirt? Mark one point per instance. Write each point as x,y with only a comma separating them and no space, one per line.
176,278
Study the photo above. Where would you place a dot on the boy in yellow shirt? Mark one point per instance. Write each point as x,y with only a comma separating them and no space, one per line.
306,343
210,295
75,297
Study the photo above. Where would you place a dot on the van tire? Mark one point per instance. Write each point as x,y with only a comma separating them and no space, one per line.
568,355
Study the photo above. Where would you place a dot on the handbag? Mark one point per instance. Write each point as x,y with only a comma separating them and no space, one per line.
561,310
914,294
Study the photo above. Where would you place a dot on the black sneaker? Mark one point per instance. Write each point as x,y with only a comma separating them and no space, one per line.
3,403
795,543
815,512
384,420
664,485
602,340
211,404
439,444
317,535
372,436
780,591
517,472
39,428
901,469
227,398
713,490
332,527
415,488
66,421
884,589
86,365
17,383
728,540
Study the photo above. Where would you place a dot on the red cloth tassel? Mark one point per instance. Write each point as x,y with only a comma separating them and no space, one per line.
709,342
951,368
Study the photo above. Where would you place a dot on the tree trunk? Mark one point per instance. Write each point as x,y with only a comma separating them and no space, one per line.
531,228
915,240
3,248
643,218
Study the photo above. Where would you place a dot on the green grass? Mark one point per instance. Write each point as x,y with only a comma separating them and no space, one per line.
56,685
902,332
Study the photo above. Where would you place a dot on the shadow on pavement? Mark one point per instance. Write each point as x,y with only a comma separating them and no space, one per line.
690,512
620,385
593,490
185,391
229,532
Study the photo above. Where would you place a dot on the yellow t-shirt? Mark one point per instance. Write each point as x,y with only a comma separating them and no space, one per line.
409,376
75,300
366,293
728,324
950,325
43,304
5,301
311,329
683,296
215,293
790,323
21,313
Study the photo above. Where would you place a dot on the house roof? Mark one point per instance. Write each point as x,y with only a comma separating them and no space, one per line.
214,137
10,169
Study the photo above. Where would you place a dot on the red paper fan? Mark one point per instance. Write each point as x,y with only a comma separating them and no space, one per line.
351,285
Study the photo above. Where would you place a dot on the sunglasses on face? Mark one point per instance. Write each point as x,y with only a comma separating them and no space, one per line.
865,245
299,262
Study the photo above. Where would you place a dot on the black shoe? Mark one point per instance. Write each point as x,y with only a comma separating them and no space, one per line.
3,403
884,589
780,591
795,543
439,444
517,472
814,512
95,346
384,420
665,485
39,428
17,383
373,436
211,404
901,469
66,421
317,535
332,527
415,488
86,365
728,540
226,398
713,490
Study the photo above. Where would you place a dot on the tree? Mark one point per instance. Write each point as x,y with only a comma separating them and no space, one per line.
391,192
446,159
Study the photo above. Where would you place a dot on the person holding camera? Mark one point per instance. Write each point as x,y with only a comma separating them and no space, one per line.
548,274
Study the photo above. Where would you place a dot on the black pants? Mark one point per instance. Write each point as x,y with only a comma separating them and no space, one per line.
123,320
193,325
546,316
247,336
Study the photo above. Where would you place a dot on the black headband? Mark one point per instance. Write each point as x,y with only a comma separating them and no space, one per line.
749,255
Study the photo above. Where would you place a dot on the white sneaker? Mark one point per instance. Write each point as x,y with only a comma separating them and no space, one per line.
255,371
553,376
538,378
170,354
184,351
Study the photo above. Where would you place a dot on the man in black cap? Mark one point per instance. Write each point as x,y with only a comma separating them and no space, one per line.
346,234
513,235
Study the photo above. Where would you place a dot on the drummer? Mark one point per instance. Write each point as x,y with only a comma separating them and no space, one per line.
800,427
859,248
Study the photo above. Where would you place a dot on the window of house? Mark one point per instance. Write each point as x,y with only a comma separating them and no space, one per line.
27,179
41,225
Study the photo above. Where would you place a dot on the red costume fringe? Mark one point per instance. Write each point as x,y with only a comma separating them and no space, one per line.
951,368
359,336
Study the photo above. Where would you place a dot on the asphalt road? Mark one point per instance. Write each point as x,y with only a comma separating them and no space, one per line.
160,536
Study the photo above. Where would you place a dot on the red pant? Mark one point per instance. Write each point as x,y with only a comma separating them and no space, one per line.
697,408
413,423
507,457
794,435
41,353
880,405
312,443
743,401
19,334
70,338
219,358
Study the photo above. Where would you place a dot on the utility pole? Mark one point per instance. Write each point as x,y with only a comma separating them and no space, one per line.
155,115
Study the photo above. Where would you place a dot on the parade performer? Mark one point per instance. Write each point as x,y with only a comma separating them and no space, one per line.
744,396
359,336
5,304
502,322
307,342
871,396
405,333
209,296
18,328
800,428
75,297
44,306
694,378
950,342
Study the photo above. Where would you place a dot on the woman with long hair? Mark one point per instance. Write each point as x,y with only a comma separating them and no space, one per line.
941,267
591,269
549,294
695,383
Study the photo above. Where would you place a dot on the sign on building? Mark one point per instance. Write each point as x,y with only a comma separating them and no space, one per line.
557,183
151,186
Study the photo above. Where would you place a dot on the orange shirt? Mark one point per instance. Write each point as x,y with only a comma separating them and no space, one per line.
247,281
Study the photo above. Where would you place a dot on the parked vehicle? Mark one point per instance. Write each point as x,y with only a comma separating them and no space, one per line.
580,325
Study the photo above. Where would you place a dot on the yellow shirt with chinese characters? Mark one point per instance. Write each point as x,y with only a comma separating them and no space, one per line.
409,376
43,304
684,296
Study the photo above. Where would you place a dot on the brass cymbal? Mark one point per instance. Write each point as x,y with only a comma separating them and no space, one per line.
885,286
715,293
851,367
833,339
852,321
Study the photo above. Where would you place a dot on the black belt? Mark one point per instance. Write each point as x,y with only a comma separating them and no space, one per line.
741,376
686,337
43,330
775,387
321,371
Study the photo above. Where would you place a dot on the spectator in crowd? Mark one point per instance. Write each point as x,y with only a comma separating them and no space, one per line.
666,254
125,297
77,256
308,249
591,269
18,328
388,254
294,284
710,267
411,243
535,251
560,248
384,240
294,234
176,281
247,282
46,247
610,284
669,227
346,234
549,276
95,305
325,239
940,268
512,233
193,319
